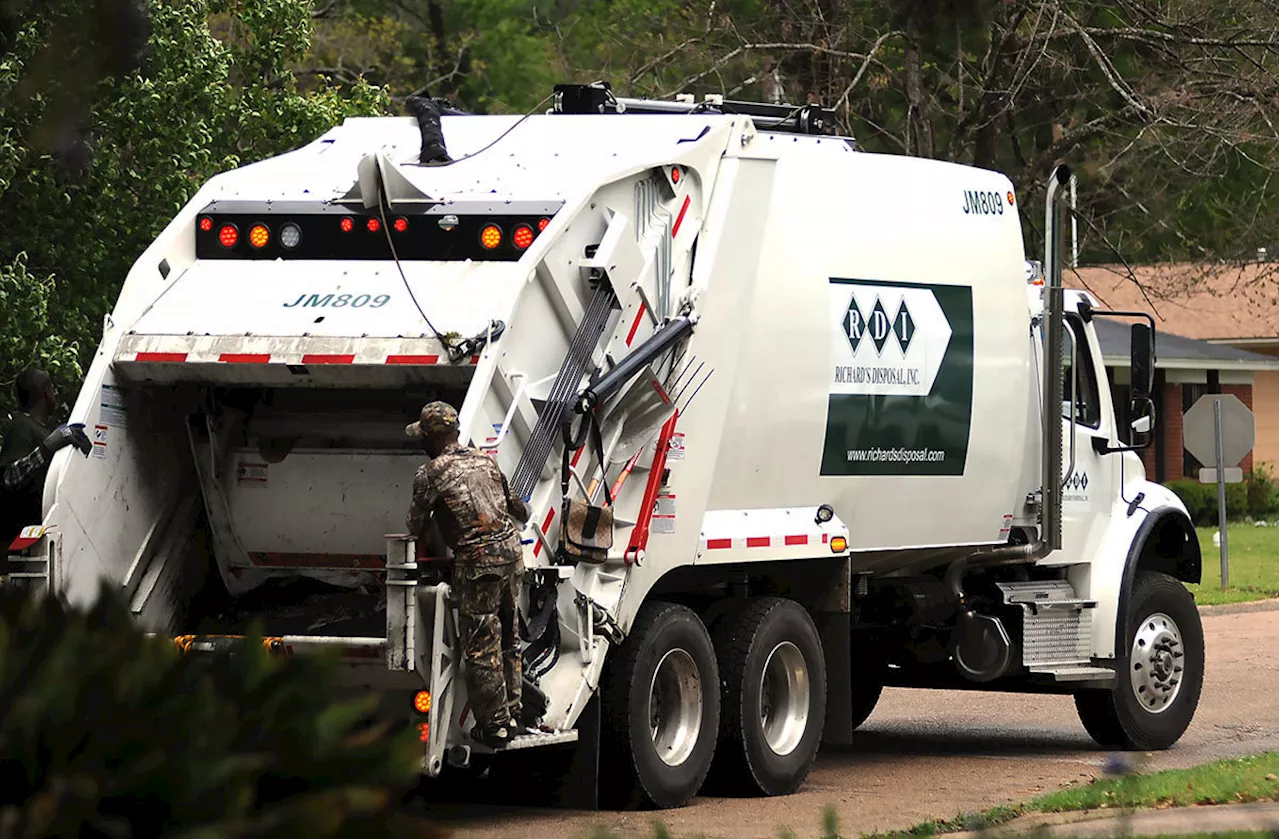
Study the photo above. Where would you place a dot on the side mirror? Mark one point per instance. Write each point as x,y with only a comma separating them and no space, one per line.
1142,360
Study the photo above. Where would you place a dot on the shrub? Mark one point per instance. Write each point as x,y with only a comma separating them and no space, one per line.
1202,501
108,732
1264,498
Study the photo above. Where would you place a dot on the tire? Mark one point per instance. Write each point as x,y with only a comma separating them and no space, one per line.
773,697
665,672
1159,669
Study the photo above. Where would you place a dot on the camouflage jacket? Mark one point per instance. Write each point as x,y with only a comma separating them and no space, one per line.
473,505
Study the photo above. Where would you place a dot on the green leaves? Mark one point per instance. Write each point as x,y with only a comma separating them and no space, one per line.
201,104
108,730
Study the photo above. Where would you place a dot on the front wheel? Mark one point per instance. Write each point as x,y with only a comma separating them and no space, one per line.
1159,671
661,710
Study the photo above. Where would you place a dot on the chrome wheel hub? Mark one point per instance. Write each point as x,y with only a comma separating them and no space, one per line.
1156,662
784,698
675,707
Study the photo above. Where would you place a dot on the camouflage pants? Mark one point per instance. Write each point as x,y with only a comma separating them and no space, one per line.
486,596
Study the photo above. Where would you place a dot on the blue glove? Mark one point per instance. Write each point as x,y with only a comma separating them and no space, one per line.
67,435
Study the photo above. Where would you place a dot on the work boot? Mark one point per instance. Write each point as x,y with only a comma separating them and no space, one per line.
495,737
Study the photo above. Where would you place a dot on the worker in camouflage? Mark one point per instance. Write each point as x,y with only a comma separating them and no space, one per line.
465,493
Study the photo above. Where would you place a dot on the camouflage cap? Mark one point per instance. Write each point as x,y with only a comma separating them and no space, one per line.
437,419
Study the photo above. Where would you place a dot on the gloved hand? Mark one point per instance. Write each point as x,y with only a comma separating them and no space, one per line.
67,435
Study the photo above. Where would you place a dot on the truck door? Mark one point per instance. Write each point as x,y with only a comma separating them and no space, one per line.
1089,488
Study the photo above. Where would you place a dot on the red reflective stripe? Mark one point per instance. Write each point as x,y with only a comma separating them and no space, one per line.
22,543
162,356
635,325
577,455
537,547
797,540
824,538
546,523
714,544
245,358
320,358
475,359
413,359
684,208
758,541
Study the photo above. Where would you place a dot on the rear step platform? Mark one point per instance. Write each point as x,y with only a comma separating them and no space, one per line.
529,741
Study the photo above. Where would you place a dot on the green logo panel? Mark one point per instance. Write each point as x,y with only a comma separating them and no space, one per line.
901,389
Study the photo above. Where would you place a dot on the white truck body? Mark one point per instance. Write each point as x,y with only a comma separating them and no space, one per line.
865,339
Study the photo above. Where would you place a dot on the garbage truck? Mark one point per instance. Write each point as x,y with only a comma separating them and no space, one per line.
850,438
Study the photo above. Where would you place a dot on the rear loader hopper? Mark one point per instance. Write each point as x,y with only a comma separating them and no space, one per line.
851,439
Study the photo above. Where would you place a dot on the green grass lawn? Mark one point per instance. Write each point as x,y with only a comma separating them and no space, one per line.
1252,556
1239,780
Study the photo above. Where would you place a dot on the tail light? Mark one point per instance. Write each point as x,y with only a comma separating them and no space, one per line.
542,224
491,236
522,236
228,236
290,236
347,224
206,224
422,702
401,224
259,235
373,225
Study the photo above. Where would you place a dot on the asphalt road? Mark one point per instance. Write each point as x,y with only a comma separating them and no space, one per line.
934,754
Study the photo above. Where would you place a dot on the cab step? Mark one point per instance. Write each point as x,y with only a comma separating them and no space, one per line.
1076,673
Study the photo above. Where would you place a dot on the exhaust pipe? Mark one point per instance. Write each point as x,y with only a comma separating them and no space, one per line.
1050,538
427,112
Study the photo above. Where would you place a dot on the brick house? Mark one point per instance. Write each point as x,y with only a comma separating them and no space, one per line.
1217,332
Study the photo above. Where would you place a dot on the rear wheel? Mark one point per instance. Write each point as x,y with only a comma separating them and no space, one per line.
661,710
1160,670
773,697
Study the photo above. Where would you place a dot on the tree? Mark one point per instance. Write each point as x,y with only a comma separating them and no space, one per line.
101,144
1166,111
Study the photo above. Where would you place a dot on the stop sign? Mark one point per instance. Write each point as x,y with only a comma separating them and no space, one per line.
1237,430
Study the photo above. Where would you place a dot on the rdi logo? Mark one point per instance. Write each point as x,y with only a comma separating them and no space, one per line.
1078,481
879,326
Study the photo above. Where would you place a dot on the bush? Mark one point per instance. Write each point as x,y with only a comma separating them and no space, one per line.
108,732
1264,499
1202,501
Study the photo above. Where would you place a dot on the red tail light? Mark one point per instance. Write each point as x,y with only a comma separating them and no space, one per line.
206,224
400,224
347,224
373,225
522,236
542,224
228,236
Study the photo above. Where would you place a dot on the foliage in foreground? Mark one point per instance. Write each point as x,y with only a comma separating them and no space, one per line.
109,732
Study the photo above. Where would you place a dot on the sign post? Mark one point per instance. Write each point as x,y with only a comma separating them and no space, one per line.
1218,429
1222,493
